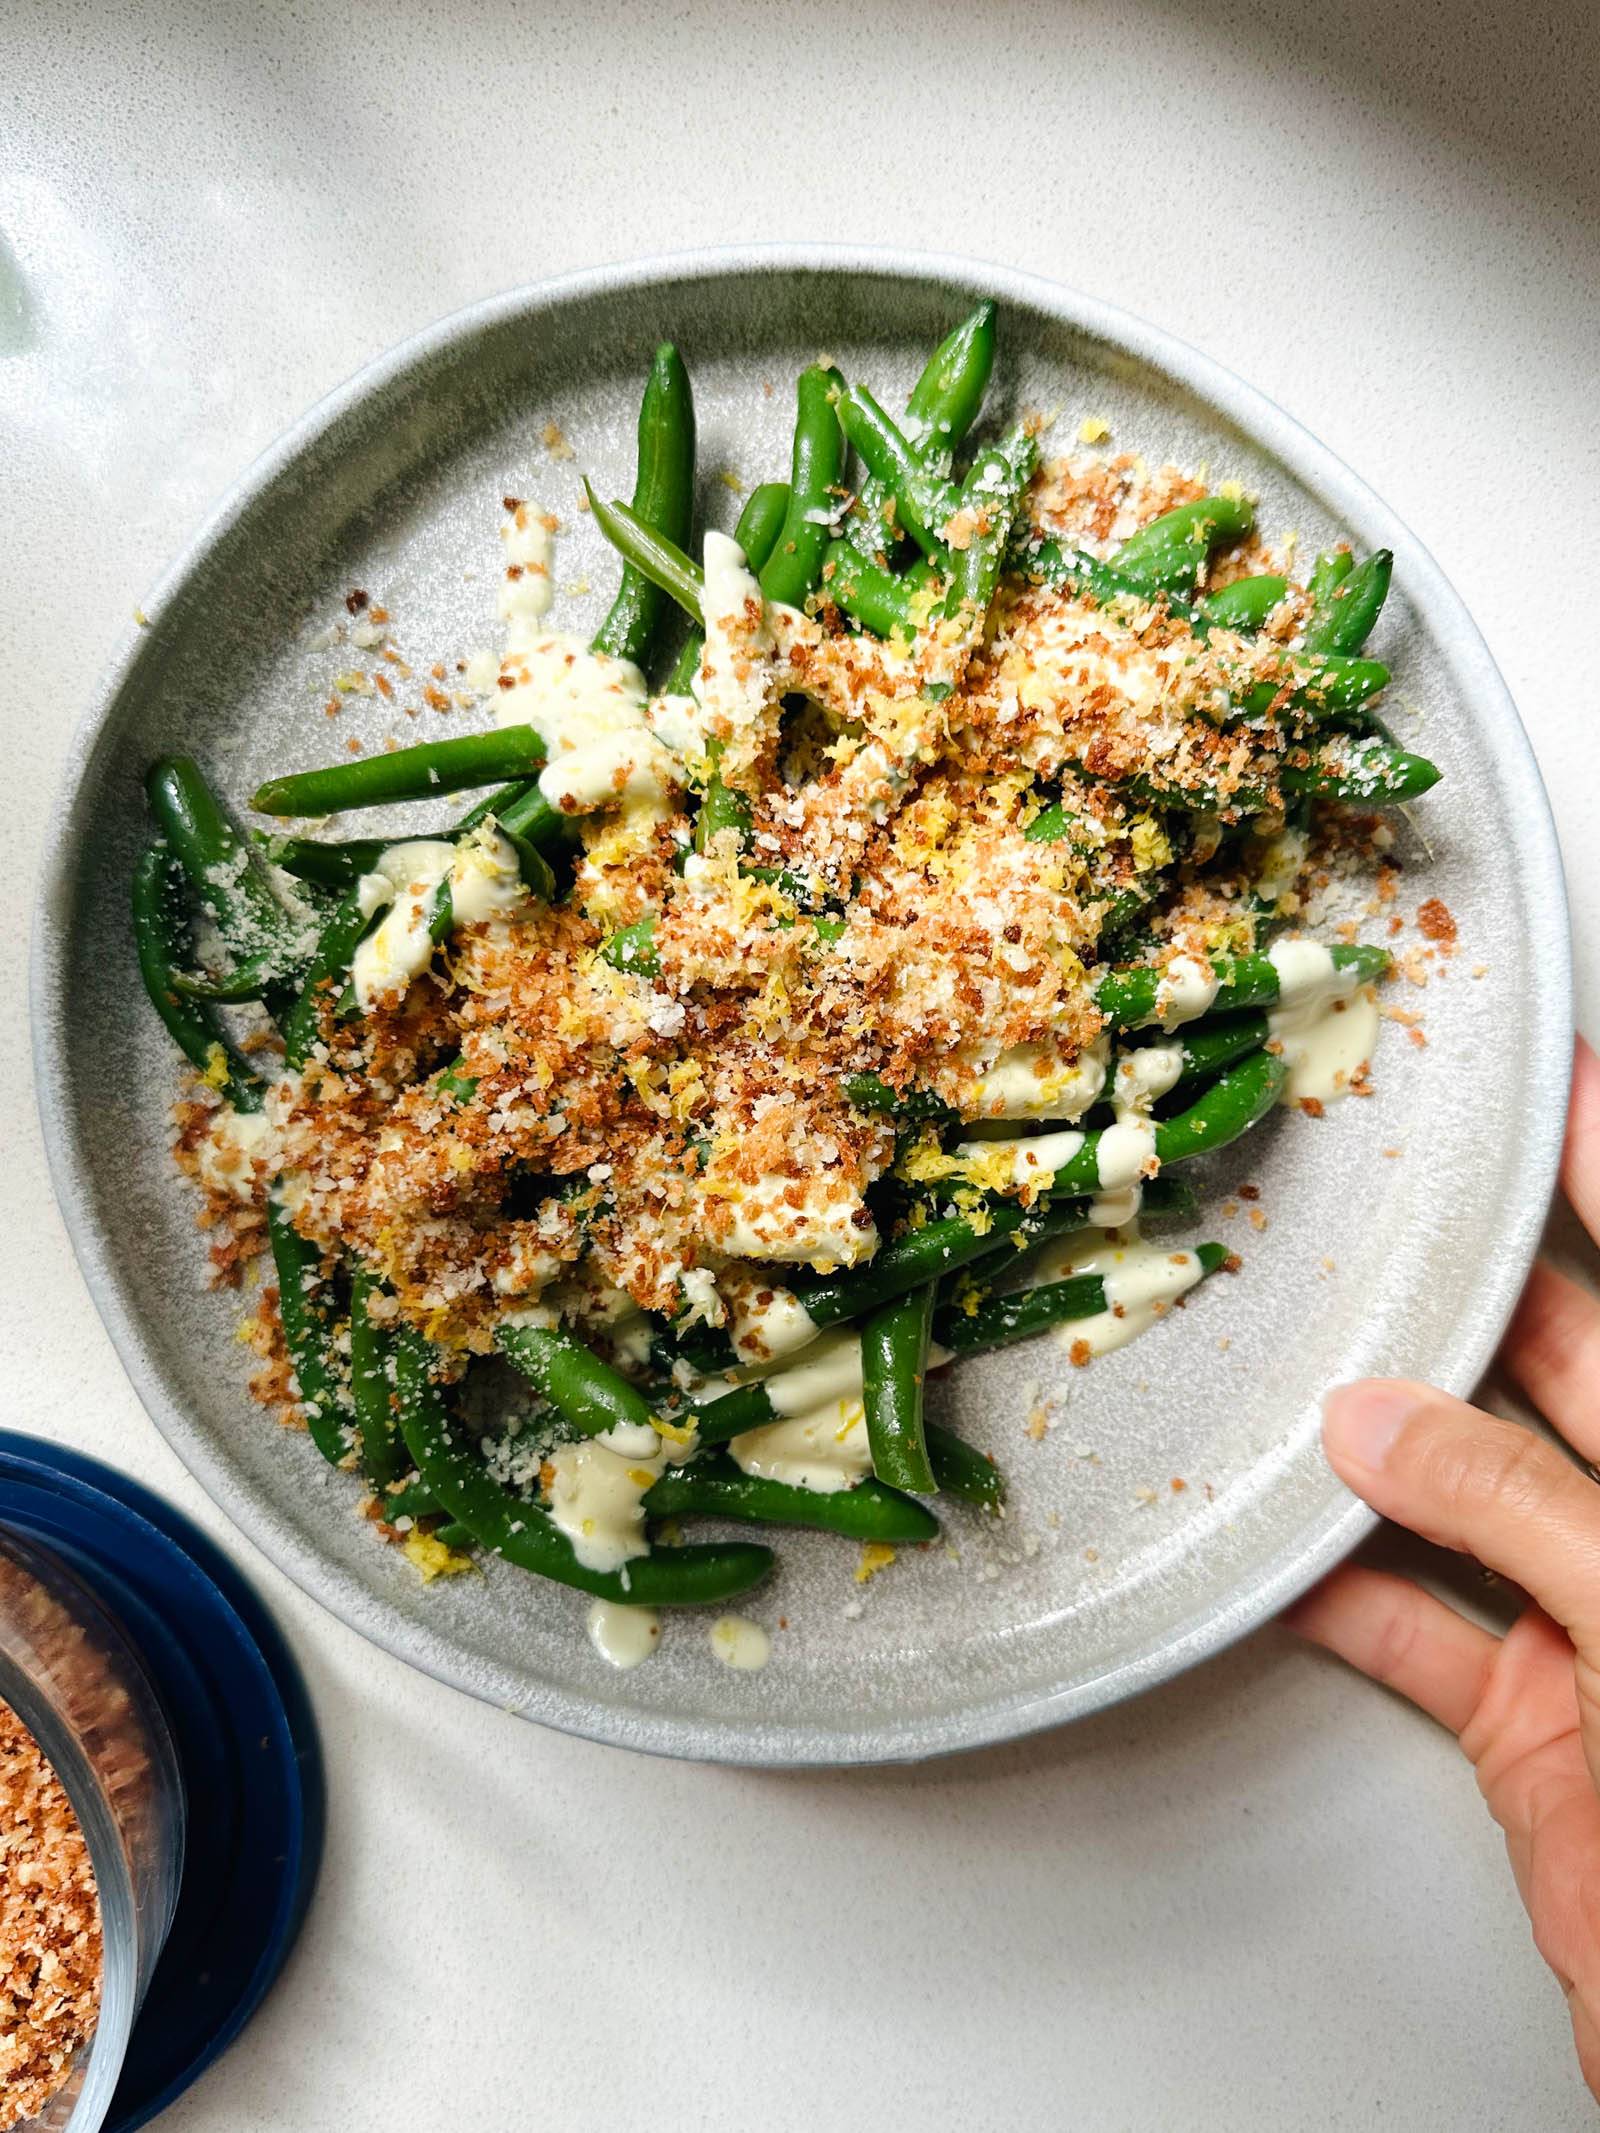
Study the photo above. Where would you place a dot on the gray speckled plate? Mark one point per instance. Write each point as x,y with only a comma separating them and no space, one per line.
1106,1578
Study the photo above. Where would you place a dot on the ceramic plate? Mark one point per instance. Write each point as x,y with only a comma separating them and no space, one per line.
1398,1230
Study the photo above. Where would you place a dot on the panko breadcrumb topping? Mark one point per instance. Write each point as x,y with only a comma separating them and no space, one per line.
532,1126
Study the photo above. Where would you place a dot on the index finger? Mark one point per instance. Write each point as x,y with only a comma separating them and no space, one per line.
1469,1481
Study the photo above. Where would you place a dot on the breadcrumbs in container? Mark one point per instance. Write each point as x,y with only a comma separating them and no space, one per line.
49,1929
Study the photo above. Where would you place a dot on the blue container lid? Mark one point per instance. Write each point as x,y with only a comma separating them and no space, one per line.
246,1742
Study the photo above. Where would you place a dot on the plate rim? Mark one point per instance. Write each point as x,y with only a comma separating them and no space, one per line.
1326,1540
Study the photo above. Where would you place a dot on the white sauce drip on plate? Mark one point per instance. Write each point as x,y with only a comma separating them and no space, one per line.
623,1636
740,1643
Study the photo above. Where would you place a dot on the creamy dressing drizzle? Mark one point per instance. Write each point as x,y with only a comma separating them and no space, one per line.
485,882
623,1636
764,1222
1033,1081
1325,1022
736,680
740,1643
765,1323
819,1439
596,1499
527,586
235,1142
746,664
1140,1280
823,1449
1127,1153
1127,1148
1005,1164
1186,992
590,711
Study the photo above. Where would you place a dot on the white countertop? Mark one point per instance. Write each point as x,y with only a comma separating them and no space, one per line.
1267,1896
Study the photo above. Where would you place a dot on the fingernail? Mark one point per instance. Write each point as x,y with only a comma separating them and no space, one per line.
1361,1422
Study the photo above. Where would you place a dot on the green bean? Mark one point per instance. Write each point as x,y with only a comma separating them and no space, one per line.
731,1413
1123,907
1233,1103
1365,773
715,1488
1245,604
1359,772
521,812
309,1318
1328,573
160,933
963,1472
906,1263
894,1369
791,573
760,523
1052,825
1322,688
1346,618
1167,555
946,399
662,561
414,1500
870,1092
993,493
459,1087
588,1392
943,406
924,501
663,497
229,881
752,1406
1316,688
1001,1320
336,866
1128,998
721,807
633,948
336,946
383,1456
527,1536
1048,563
405,774
881,601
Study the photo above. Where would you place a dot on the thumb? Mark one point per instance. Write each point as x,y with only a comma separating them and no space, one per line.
1469,1481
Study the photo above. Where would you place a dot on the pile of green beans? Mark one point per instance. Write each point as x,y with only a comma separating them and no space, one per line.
934,532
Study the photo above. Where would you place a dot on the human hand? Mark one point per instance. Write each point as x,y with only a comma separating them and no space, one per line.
1526,1708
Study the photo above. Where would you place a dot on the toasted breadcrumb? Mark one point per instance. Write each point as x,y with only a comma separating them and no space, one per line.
49,1929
